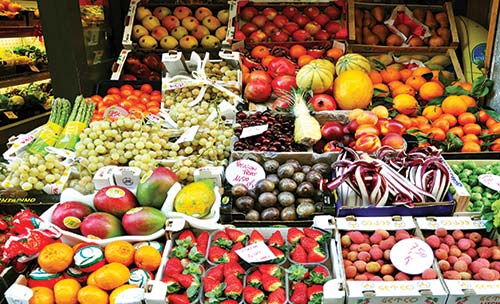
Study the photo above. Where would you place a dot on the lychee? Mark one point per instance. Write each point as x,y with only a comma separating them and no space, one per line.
441,232
429,274
433,241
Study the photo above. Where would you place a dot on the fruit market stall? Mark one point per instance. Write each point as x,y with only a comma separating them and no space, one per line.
261,152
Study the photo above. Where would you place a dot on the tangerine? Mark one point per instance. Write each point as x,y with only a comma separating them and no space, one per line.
381,87
389,75
260,51
430,90
483,116
495,145
403,89
470,137
92,295
458,131
466,118
432,112
120,252
118,290
375,77
147,257
266,60
404,119
111,275
393,85
436,134
495,128
470,146
490,122
450,118
469,100
405,74
415,82
42,295
66,291
464,85
297,50
304,59
454,105
405,104
421,71
55,257
335,53
472,128
441,123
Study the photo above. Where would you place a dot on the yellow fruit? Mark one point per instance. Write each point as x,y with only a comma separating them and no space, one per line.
325,62
315,76
405,104
55,257
353,89
111,275
42,295
66,291
117,291
147,257
352,61
195,199
92,295
120,252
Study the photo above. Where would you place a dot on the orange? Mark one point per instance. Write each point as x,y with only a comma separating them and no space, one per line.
490,122
438,82
91,279
297,50
470,137
380,111
464,85
390,74
120,252
421,71
450,118
425,128
472,128
432,112
470,101
421,120
403,89
470,146
66,291
55,257
404,119
495,145
430,90
436,134
405,74
147,257
441,123
112,275
466,118
458,131
117,291
304,59
482,116
405,104
92,295
335,53
454,105
495,128
375,77
394,85
266,60
260,51
415,82
42,295
354,114
381,87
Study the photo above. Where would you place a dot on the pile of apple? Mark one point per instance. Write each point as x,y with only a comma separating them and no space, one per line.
180,27
292,23
366,257
465,256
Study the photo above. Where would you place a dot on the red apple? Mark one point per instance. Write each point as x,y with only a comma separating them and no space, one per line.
270,13
239,35
280,36
300,35
259,75
270,28
342,33
300,19
290,11
248,28
322,19
281,103
280,20
332,11
312,27
316,53
322,35
283,83
259,20
290,27
352,126
393,140
248,13
257,36
322,102
311,11
333,27
332,130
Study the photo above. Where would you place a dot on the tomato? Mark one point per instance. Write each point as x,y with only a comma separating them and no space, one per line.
146,88
471,146
126,104
155,93
495,145
141,106
113,91
436,133
472,128
126,93
483,116
109,100
151,104
96,98
137,93
154,110
156,98
132,98
283,83
126,87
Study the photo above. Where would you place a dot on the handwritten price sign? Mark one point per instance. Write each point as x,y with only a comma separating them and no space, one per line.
245,172
490,180
255,253
412,256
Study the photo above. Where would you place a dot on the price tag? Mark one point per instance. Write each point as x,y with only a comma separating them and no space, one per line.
114,112
412,256
188,135
244,171
252,131
491,181
10,115
255,253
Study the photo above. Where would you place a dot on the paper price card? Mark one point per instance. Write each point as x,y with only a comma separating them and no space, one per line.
412,256
244,171
188,135
491,181
252,131
255,253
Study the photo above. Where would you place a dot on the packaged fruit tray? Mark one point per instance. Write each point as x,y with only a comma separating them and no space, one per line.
468,257
369,25
137,65
157,25
370,250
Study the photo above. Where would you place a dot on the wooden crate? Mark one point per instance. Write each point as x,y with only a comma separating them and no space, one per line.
353,46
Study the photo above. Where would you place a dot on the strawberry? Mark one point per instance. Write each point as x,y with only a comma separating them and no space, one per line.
280,256
202,242
218,255
299,293
216,272
317,235
177,299
178,252
318,275
276,240
298,254
270,269
237,246
253,295
308,244
188,281
236,235
195,255
317,255
294,235
255,279
234,287
314,291
233,268
173,265
193,268
297,273
229,302
255,237
222,240
232,257
212,288
270,283
186,238
172,284
277,297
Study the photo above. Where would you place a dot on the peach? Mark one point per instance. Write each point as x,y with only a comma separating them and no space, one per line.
381,262
375,238
351,272
384,233
452,259
356,237
495,253
387,269
476,266
484,252
460,266
354,247
466,258
345,241
475,237
388,277
441,232
485,262
445,247
429,274
373,267
487,274
441,254
360,266
497,274
465,275
387,254
367,117
433,241
376,253
376,278
352,256
345,251
486,242
444,265
476,277
402,234
347,263
364,247
401,276
369,275
449,240
495,265
458,235
464,244
471,252
454,251
360,277
451,275
364,256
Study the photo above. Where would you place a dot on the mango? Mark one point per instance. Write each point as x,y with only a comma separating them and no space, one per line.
102,225
143,220
154,185
196,199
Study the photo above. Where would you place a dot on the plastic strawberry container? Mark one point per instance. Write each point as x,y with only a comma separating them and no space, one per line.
283,277
202,292
323,245
290,281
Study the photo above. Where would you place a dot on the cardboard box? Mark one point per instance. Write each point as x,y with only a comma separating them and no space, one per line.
463,291
419,291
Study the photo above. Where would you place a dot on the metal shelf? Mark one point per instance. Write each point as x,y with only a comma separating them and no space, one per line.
24,79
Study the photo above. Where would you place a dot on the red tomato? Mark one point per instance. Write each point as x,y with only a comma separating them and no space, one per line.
146,88
113,91
96,98
132,98
126,93
154,110
137,93
141,106
109,100
126,104
155,92
126,87
156,98
151,104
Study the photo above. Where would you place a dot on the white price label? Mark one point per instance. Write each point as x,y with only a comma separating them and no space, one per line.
255,253
412,256
188,135
491,181
244,171
252,131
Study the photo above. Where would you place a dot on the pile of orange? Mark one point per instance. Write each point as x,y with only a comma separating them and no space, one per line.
102,285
